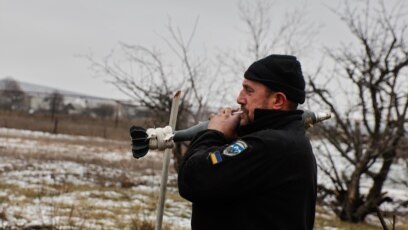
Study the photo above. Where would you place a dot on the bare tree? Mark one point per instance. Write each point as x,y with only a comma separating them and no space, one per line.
268,31
290,34
368,129
150,79
12,95
55,103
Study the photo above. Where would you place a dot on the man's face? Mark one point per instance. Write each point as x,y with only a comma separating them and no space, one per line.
252,96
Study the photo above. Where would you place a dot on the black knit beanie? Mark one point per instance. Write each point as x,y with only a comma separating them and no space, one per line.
279,73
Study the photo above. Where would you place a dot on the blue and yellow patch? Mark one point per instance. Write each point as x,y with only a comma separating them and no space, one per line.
235,148
215,157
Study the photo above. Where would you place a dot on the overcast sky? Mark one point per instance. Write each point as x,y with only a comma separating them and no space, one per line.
40,40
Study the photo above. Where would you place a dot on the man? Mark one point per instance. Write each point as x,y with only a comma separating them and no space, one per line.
255,170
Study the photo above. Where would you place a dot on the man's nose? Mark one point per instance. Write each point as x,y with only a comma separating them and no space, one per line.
241,98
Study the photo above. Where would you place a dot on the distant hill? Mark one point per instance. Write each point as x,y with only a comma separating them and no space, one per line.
31,88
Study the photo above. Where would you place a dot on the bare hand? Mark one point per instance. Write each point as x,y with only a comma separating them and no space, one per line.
225,122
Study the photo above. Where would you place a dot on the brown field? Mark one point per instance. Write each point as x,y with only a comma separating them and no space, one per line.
71,124
60,181
50,181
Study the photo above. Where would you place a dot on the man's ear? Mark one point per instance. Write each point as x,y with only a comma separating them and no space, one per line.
279,101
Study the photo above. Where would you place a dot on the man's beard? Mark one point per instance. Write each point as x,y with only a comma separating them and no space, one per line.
248,120
244,117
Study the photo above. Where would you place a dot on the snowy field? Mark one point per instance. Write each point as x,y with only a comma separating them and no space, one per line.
75,182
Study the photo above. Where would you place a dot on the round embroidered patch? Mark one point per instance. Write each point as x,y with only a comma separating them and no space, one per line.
235,148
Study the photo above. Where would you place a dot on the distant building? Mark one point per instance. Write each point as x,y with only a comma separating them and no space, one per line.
22,96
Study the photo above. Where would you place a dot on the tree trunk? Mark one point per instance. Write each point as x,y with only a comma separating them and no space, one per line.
352,199
374,197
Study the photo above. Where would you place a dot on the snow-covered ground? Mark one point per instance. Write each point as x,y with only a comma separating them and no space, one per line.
76,182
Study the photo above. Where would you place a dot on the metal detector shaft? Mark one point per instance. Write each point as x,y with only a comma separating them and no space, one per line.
166,162
309,118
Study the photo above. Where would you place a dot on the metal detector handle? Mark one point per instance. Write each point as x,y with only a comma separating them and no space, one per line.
188,134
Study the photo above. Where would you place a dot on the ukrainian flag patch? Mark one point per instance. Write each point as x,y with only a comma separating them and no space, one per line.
215,157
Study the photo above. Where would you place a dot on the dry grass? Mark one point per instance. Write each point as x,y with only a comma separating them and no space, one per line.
320,224
325,218
71,124
341,225
110,197
84,213
103,194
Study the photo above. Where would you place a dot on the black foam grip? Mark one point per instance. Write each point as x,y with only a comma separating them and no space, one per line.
140,142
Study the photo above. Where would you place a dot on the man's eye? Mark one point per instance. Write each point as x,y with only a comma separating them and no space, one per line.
248,90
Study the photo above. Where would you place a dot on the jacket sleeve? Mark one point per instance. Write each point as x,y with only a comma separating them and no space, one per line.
234,176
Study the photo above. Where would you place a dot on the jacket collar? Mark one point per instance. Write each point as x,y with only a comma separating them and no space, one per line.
270,119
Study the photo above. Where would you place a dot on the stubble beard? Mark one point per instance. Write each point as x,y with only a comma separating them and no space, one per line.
245,120
244,117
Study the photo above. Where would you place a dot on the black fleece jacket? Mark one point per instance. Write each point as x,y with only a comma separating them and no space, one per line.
264,180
